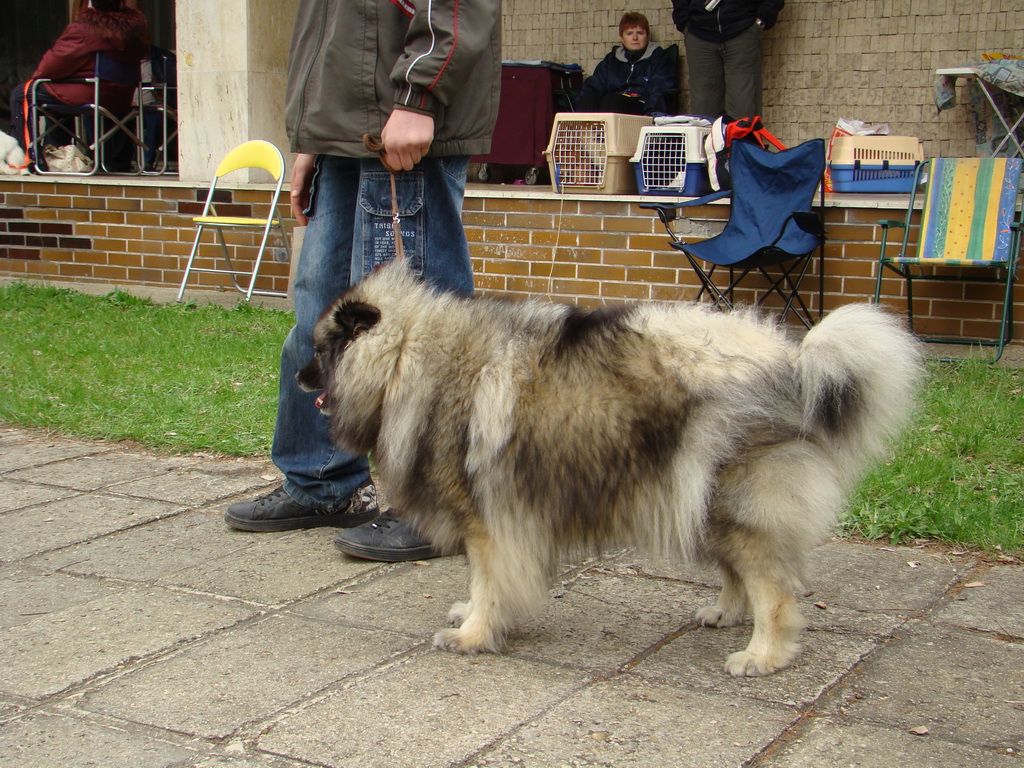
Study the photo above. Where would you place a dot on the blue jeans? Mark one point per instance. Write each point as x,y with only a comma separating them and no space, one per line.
348,235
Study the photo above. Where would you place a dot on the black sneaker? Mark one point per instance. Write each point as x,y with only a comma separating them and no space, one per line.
387,539
277,511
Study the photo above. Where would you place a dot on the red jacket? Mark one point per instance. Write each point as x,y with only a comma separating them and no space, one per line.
121,34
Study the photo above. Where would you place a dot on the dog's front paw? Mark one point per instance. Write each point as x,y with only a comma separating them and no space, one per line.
458,613
747,664
460,641
713,616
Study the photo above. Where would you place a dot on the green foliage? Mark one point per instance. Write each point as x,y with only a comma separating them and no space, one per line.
958,473
119,367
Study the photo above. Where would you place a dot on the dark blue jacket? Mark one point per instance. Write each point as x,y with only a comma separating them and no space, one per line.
727,20
648,77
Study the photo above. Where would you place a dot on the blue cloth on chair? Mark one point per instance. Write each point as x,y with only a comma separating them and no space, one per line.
768,187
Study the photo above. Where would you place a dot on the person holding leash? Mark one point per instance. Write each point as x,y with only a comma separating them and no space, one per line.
425,79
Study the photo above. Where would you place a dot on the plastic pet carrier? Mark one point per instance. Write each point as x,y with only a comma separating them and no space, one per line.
877,164
670,160
590,151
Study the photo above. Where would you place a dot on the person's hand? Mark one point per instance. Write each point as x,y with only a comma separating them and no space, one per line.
302,179
407,137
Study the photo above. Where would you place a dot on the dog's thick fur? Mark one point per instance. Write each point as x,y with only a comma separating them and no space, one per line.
531,431
12,156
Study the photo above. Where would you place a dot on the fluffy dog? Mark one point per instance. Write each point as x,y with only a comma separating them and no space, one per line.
12,156
528,432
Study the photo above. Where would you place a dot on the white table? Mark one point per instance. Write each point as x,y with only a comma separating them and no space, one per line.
1011,135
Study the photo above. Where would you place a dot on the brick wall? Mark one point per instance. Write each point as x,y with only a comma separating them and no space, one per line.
596,250
869,59
587,249
106,231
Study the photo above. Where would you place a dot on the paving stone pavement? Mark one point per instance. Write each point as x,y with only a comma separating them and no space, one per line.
137,630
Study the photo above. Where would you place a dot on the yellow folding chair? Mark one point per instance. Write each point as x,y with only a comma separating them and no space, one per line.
970,224
251,154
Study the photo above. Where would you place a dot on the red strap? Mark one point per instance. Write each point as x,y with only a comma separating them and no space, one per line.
740,129
25,117
754,128
764,134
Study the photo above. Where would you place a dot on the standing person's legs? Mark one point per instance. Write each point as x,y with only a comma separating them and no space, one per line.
430,206
349,234
321,481
317,473
705,68
743,73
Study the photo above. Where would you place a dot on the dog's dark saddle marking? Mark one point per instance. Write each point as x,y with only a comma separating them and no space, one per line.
581,326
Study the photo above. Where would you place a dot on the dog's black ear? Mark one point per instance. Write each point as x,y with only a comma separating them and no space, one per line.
354,317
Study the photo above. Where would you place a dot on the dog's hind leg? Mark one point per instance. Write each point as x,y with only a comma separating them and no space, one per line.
506,583
731,606
766,579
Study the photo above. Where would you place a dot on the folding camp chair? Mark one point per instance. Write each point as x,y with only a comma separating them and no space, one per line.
91,126
157,113
771,231
970,221
251,154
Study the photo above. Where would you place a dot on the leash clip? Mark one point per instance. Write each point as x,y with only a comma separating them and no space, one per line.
374,144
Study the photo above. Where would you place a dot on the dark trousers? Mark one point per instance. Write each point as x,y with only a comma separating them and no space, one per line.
18,116
725,78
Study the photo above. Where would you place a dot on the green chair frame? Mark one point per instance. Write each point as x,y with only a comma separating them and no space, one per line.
970,222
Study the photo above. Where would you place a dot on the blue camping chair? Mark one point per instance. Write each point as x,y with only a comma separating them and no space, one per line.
771,231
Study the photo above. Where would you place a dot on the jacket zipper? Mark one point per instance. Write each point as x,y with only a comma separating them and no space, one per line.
301,111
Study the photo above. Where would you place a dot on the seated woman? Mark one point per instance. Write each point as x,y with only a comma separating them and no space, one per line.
633,77
114,27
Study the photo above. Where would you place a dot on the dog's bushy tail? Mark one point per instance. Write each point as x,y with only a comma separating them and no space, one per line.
859,371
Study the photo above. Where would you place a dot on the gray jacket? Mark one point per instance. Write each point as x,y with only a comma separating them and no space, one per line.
353,61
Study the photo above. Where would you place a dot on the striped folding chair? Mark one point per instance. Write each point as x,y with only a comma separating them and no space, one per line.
969,231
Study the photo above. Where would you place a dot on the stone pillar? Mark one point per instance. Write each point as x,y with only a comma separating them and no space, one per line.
232,64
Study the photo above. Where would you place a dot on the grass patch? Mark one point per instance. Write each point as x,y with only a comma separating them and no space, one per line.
203,378
170,377
958,473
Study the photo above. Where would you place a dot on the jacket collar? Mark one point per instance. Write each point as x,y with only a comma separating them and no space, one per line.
620,52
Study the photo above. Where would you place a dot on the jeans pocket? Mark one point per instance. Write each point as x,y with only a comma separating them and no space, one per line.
377,219
455,166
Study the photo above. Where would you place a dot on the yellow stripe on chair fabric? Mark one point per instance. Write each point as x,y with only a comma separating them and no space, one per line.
969,205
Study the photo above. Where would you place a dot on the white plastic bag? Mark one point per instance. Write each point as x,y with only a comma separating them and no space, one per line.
66,159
